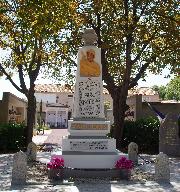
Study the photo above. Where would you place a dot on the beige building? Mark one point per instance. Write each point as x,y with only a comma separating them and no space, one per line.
148,94
140,109
58,102
13,109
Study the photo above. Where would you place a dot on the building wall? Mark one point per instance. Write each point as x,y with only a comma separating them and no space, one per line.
164,108
150,98
45,97
10,103
63,99
142,110
56,116
4,108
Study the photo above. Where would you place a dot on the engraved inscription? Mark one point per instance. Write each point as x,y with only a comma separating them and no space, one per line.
88,145
169,129
170,136
89,98
82,126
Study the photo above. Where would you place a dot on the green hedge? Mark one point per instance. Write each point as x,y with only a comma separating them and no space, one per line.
12,137
144,132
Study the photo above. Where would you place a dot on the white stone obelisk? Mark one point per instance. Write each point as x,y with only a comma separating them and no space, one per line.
87,145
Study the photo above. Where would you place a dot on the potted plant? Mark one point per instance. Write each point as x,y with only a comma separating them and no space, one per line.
124,166
56,168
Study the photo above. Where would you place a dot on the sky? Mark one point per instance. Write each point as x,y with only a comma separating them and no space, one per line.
5,85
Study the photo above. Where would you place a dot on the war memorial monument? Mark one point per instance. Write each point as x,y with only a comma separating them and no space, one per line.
87,146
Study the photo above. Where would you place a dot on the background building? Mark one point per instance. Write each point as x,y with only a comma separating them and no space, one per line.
57,103
13,109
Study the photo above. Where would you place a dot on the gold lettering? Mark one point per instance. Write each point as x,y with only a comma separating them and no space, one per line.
83,126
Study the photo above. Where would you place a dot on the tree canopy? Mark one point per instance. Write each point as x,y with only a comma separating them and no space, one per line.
134,36
171,91
30,30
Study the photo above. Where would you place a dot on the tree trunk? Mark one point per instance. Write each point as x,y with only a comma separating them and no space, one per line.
119,109
31,110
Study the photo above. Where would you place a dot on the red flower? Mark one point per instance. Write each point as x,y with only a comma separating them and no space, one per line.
124,163
56,163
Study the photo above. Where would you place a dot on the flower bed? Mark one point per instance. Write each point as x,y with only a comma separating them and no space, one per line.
124,166
56,168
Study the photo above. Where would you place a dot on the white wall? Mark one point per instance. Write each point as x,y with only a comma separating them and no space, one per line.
46,97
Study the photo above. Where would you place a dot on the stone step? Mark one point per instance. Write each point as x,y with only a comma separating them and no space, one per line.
85,160
84,174
89,145
87,153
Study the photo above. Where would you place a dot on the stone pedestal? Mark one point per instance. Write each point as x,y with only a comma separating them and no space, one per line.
88,128
87,146
89,152
162,169
19,171
133,152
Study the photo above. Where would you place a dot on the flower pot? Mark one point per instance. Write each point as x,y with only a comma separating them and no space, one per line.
56,174
125,174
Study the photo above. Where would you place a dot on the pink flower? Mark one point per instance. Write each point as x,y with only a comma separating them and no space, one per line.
56,163
124,163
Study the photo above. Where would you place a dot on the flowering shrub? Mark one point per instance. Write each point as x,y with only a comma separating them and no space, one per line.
124,163
56,163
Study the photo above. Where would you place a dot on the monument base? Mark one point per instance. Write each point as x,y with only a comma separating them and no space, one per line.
110,174
89,144
89,152
89,160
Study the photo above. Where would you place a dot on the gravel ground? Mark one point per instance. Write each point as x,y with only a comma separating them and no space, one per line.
37,172
142,179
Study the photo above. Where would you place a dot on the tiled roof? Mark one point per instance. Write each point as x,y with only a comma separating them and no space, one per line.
142,91
55,88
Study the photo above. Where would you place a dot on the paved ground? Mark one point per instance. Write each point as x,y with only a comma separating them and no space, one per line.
55,137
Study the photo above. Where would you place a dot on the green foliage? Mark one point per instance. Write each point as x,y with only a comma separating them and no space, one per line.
144,132
135,34
32,31
12,137
171,91
161,91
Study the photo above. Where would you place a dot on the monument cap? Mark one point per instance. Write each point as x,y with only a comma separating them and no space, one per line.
89,37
